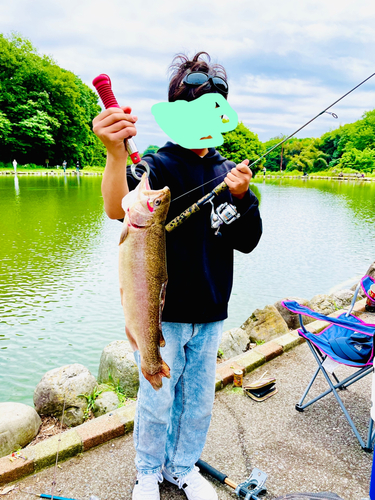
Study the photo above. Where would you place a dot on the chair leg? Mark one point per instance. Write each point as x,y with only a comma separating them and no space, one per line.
370,437
333,388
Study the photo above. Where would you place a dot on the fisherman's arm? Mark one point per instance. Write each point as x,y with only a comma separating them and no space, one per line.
245,232
112,127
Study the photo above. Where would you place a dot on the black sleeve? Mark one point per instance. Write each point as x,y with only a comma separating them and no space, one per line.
245,232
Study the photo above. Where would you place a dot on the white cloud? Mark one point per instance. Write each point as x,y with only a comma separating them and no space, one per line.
286,61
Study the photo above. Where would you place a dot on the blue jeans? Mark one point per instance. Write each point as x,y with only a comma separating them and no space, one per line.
170,425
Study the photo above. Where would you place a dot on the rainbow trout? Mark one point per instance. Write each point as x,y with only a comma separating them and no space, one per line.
143,275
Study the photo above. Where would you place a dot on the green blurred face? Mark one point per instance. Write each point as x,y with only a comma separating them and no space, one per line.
196,124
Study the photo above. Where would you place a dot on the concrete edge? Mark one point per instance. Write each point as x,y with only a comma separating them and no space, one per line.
121,421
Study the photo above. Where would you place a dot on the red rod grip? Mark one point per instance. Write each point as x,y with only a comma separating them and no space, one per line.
103,86
102,83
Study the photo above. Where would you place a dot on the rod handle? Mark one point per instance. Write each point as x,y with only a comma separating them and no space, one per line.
208,469
220,188
103,86
177,221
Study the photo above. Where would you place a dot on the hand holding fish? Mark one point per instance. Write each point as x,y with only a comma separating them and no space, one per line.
238,179
113,126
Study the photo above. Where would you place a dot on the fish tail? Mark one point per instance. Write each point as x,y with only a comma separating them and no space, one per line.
156,379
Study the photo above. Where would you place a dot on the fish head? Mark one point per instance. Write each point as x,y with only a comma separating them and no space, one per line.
145,206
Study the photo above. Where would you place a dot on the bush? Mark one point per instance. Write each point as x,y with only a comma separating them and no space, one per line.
294,173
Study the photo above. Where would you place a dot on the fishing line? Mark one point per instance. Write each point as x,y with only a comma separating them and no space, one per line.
281,142
57,453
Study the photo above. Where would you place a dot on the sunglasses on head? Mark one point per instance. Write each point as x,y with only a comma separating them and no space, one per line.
198,78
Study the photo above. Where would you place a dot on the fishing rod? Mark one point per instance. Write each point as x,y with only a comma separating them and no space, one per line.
228,218
52,496
103,86
226,213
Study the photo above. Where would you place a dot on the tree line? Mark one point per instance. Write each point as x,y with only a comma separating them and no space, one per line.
350,147
45,111
46,115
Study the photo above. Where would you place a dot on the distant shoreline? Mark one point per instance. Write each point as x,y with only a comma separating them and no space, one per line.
345,177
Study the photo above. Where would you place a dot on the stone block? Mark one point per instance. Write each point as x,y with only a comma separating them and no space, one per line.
100,430
11,471
44,453
251,360
269,350
290,340
224,372
126,415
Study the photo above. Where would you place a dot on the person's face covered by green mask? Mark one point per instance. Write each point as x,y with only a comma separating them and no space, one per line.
196,124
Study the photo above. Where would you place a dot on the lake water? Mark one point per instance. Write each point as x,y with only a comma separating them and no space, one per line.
59,297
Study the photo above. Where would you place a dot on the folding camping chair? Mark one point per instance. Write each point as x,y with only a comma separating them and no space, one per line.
348,341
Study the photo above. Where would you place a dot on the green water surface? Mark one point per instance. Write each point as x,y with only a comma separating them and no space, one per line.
59,297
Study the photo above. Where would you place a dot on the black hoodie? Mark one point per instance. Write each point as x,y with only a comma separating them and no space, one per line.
200,264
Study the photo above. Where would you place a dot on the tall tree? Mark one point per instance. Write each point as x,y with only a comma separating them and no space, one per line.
45,111
240,144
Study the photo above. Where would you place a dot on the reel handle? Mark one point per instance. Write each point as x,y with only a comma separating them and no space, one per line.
103,86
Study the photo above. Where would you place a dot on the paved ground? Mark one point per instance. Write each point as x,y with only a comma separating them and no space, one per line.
313,451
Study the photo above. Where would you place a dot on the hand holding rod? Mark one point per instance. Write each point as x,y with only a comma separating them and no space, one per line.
102,83
196,207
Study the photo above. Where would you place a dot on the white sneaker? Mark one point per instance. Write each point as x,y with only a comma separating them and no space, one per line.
195,486
147,486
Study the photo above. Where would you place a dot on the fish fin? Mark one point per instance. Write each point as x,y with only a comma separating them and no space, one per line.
156,379
161,307
131,339
124,232
161,338
163,291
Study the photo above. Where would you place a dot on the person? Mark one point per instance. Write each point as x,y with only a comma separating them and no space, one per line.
15,166
77,167
264,171
171,424
64,166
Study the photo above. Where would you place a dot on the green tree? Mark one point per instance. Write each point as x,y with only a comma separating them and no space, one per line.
150,149
273,159
5,128
46,111
358,160
240,144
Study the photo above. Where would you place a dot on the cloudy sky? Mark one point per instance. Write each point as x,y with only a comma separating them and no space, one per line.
286,60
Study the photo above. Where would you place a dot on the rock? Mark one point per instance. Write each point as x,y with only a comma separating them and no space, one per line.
105,402
371,270
66,383
234,342
19,424
265,324
323,304
292,319
342,298
117,359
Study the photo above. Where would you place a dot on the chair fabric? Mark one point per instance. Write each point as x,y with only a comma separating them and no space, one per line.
342,341
340,327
